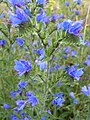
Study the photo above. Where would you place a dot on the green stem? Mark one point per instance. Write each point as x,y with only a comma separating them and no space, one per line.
86,23
57,44
88,115
4,33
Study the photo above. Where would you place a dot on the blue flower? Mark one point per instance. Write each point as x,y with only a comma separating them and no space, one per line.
74,72
59,94
67,3
86,90
27,11
17,2
87,43
25,118
59,99
21,104
74,53
67,50
29,94
2,15
2,43
42,17
42,65
41,52
15,93
75,101
23,114
14,117
87,62
19,17
73,27
56,67
61,15
78,1
78,12
22,66
52,69
20,41
59,83
66,56
67,67
32,98
65,25
88,57
41,1
49,112
44,118
72,95
7,106
76,28
22,84
55,17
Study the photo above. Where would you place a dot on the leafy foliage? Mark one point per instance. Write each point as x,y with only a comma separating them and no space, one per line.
42,60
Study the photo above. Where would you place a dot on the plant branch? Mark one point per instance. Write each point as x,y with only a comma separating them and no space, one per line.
56,46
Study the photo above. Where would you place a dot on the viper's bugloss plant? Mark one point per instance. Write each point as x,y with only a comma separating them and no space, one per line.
44,60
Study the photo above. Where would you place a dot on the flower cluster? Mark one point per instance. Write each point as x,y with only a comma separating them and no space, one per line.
59,100
19,17
74,72
73,97
42,17
22,66
22,103
72,27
